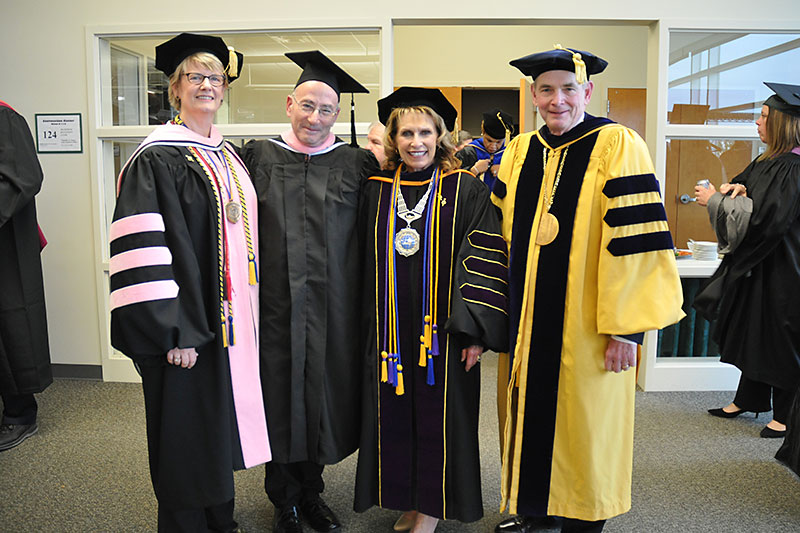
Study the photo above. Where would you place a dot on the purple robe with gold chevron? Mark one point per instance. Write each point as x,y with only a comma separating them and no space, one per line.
419,450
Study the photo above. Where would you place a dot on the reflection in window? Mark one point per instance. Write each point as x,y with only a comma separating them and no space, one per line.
722,73
158,109
124,88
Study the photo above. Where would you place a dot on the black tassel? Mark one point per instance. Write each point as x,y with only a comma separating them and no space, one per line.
353,142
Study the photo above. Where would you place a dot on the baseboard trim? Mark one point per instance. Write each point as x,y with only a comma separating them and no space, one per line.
92,372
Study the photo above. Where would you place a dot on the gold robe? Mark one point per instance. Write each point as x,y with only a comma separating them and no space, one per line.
610,271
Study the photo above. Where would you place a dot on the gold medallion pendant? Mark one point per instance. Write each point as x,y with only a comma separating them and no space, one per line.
548,229
233,211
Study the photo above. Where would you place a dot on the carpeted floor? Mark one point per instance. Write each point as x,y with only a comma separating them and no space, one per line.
86,470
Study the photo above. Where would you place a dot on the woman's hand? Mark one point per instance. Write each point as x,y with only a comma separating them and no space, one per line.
472,355
480,167
735,189
704,193
185,357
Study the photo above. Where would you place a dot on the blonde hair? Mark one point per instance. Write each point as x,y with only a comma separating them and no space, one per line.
204,59
783,133
445,150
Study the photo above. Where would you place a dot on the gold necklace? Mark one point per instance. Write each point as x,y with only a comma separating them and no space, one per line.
548,223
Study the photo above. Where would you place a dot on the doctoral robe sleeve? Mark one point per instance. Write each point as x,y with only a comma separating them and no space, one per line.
637,279
480,291
778,206
468,157
156,286
20,173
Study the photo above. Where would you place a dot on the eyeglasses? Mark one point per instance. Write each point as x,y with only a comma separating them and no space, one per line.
195,78
308,108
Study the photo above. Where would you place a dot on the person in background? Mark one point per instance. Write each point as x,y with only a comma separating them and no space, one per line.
761,277
184,294
482,156
463,139
375,141
24,348
434,299
592,267
308,182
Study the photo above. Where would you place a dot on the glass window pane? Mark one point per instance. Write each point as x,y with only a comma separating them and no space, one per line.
267,77
115,154
716,77
691,337
124,88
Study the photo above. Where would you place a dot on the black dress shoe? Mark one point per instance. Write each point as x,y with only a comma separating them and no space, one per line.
769,433
722,413
13,434
286,520
525,524
318,515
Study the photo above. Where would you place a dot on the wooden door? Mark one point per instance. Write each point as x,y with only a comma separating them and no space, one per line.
691,160
628,107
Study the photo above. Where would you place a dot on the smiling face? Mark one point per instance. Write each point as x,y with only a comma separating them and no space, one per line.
416,140
312,128
199,102
560,99
762,123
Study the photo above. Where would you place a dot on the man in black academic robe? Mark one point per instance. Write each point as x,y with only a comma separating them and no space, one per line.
24,349
308,183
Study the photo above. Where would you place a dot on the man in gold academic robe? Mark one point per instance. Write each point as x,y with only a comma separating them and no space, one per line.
591,268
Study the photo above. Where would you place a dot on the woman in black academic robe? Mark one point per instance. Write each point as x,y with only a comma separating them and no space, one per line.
184,294
753,294
434,298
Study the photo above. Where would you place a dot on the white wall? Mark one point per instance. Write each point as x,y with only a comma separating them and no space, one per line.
44,70
479,56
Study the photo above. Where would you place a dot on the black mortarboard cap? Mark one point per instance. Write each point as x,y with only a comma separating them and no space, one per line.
418,96
497,122
317,66
170,54
786,98
560,59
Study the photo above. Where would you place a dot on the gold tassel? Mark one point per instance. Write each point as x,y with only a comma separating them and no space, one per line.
224,329
233,63
580,66
427,339
422,351
400,390
384,368
252,269
505,127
